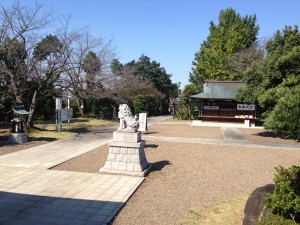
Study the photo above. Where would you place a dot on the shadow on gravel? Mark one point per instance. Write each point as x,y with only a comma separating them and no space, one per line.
158,166
42,139
271,134
151,146
150,133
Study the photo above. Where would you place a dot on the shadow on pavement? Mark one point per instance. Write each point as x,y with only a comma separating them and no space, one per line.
27,209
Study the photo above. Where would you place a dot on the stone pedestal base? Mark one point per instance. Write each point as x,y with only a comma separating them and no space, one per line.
18,138
126,155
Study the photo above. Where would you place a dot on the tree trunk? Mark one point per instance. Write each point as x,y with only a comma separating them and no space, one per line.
80,105
15,90
32,110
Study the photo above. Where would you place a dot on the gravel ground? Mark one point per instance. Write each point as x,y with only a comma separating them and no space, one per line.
191,176
265,136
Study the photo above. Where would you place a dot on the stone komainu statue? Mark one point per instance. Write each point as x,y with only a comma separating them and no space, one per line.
128,122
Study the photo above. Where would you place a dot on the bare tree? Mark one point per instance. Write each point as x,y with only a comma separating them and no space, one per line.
128,85
36,65
19,27
88,68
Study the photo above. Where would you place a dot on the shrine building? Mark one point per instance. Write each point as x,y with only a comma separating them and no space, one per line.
219,104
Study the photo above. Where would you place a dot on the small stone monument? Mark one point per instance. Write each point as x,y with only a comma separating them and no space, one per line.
126,151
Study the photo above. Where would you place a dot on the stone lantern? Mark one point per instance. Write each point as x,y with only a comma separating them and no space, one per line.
18,135
18,124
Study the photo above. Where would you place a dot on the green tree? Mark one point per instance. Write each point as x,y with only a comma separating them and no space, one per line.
116,66
233,34
151,71
92,66
285,117
128,85
281,68
48,45
282,60
13,68
268,81
188,109
139,104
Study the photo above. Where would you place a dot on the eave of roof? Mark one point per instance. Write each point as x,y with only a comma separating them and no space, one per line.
20,110
220,90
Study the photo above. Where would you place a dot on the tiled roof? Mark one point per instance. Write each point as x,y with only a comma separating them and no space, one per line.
220,89
20,110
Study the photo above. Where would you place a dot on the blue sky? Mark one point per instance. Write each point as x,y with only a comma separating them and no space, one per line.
168,31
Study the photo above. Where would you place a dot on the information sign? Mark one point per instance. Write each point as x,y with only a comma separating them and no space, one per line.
63,115
142,122
69,113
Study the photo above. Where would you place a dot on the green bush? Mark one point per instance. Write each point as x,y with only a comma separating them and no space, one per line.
285,200
276,220
285,117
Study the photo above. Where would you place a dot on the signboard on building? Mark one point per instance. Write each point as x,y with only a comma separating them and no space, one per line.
246,107
211,107
142,122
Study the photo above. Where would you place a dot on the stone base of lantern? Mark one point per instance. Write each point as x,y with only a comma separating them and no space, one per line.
126,155
18,138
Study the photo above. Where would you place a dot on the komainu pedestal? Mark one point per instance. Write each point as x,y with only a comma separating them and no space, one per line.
126,155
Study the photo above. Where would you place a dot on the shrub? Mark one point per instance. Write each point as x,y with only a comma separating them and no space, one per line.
285,200
285,117
276,220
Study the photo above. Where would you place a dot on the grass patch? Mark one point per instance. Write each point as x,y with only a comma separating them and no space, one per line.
46,134
229,212
77,125
176,120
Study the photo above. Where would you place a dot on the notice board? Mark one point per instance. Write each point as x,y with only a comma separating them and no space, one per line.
142,122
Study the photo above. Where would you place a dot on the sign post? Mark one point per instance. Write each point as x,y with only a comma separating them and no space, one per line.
143,122
58,106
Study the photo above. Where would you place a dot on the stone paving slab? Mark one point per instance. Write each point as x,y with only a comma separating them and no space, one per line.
51,154
219,124
232,134
32,196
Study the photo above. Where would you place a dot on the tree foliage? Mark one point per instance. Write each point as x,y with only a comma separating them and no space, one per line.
139,104
152,72
285,117
285,201
282,60
128,85
233,34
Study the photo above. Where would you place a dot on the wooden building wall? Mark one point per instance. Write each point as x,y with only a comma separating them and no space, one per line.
224,110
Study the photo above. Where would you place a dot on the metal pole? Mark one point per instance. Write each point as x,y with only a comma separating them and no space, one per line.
68,118
59,119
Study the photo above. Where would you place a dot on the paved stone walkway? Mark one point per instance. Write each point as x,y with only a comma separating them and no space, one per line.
232,134
223,142
30,194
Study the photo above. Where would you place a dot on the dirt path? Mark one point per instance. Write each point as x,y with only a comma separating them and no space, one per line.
189,176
